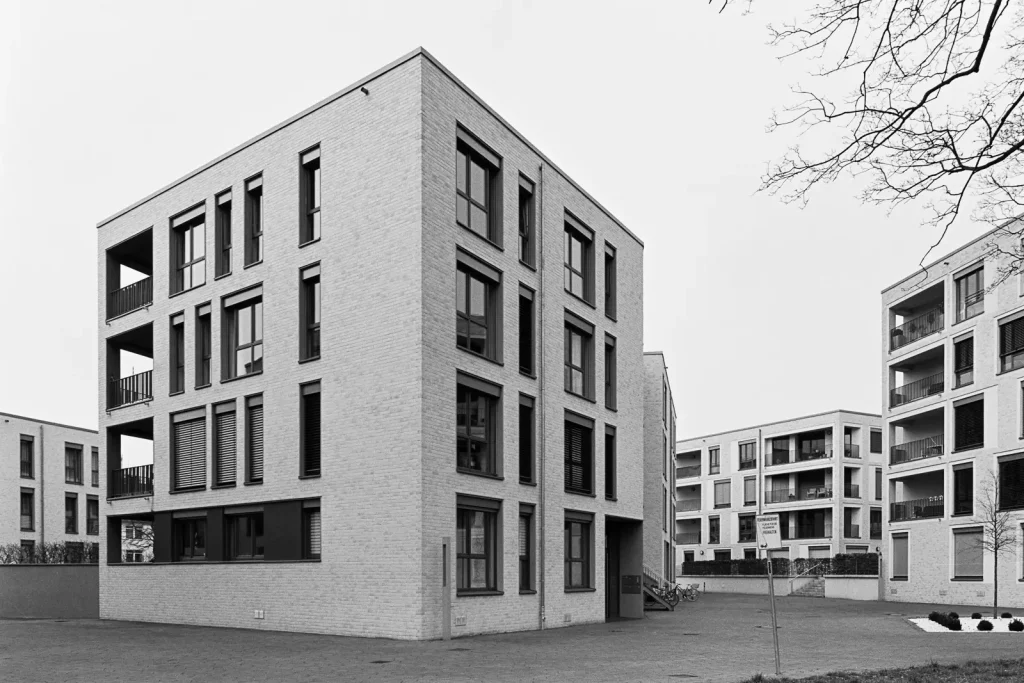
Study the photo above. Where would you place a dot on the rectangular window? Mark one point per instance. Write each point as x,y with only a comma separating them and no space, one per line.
750,491
579,454
900,556
477,187
309,313
525,548
878,483
71,513
310,426
225,440
579,355
244,536
1011,345
189,539
610,464
28,507
747,532
963,490
526,218
714,531
610,379
748,456
749,553
177,348
28,551
92,515
723,555
610,281
876,523
254,220
223,237
243,333
578,530
189,449
714,460
969,425
477,307
476,544
963,360
311,531
188,250
254,440
72,464
876,441
310,188
204,346
95,466
722,494
476,427
967,554
970,295
526,439
579,260
526,332
27,458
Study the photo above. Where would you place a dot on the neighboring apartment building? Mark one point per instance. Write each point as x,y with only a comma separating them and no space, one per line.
953,353
821,473
659,453
397,384
51,483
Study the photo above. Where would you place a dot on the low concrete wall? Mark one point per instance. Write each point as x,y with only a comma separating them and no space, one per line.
845,587
852,587
49,591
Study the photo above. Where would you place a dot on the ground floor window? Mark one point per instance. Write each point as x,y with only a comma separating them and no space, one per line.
900,556
477,544
967,554
245,536
133,556
578,551
311,532
525,548
190,539
723,555
749,554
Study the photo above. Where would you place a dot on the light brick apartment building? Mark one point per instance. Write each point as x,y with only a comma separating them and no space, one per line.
397,379
659,450
953,354
821,473
51,483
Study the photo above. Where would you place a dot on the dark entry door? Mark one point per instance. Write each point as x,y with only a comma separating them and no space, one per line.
611,572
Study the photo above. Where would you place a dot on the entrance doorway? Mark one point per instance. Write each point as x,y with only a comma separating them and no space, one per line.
612,574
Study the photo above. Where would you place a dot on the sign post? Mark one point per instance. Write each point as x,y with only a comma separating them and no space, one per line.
769,538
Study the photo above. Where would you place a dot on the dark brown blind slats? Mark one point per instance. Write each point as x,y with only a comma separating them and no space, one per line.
1012,336
314,533
574,457
964,354
190,454
255,438
226,448
311,433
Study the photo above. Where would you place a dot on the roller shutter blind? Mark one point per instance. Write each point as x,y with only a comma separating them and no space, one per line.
963,353
967,553
899,556
576,457
226,448
254,435
314,533
311,433
190,454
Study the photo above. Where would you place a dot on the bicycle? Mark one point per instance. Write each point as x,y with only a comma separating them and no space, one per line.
691,592
670,593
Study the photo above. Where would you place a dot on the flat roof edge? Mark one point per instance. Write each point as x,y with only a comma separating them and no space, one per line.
48,422
778,422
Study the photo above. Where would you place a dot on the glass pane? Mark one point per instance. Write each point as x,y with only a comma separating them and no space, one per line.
477,338
199,241
258,327
462,211
243,323
257,358
186,246
243,366
460,291
316,302
186,277
477,534
478,220
576,574
568,278
478,182
576,286
316,188
198,273
461,331
315,226
460,171
478,300
576,349
576,253
478,574
479,456
463,457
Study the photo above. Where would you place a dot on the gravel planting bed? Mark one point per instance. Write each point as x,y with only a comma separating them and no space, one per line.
969,625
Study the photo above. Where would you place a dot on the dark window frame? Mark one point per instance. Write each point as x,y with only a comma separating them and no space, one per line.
73,456
582,468
527,573
979,533
469,392
222,227
193,529
469,270
310,196
254,219
748,455
579,272
1011,344
185,237
204,345
94,455
749,534
527,218
92,521
966,298
310,430
179,470
176,381
963,490
714,460
527,439
27,464
310,312
582,367
470,153
29,495
242,532
610,282
968,434
232,344
225,450
714,530
253,405
871,444
584,559
311,550
610,373
467,508
963,362
611,463
71,513
527,332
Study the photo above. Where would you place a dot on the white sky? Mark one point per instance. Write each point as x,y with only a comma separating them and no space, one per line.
765,311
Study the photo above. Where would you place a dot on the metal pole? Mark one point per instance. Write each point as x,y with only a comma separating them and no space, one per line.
775,626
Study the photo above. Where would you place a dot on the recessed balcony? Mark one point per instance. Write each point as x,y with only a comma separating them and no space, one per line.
802,493
130,459
916,390
918,449
129,275
130,367
916,317
918,496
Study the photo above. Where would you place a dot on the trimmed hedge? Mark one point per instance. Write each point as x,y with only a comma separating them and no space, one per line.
1016,625
975,615
950,620
51,553
984,625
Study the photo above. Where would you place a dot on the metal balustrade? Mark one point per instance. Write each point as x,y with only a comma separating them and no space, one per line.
131,481
128,390
916,390
918,508
129,298
928,447
916,328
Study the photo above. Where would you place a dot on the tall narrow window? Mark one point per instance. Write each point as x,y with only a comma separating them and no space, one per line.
477,187
204,346
876,441
900,556
610,379
970,295
254,220
92,515
309,313
579,454
525,548
526,439
579,260
27,459
223,237
526,332
177,348
610,281
188,250
963,490
748,534
189,449
579,354
71,513
714,530
224,444
1011,345
748,455
963,358
526,217
72,464
714,460
611,483
722,497
95,466
969,425
311,530
476,425
749,491
310,182
244,536
477,304
878,483
310,427
477,555
254,440
243,333
578,555
28,506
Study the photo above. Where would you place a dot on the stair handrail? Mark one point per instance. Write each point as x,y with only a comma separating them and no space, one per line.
651,573
811,568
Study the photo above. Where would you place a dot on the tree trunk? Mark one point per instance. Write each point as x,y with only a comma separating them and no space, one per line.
995,585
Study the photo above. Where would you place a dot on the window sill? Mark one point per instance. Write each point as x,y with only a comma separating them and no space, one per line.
481,356
524,373
23,529
967,578
961,386
710,472
253,483
191,489
29,478
92,534
968,448
722,507
223,486
203,386
235,379
579,298
308,360
898,578
972,317
580,590
221,276
611,316
527,592
185,291
527,482
962,514
612,499
309,476
611,408
581,493
528,265
475,473
581,396
477,594
250,265
308,242
750,504
177,393
480,237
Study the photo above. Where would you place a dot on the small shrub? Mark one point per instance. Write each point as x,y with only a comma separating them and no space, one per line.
984,625
1017,625
954,615
937,617
976,615
1006,615
954,625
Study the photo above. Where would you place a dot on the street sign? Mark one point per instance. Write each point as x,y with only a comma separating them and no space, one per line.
769,537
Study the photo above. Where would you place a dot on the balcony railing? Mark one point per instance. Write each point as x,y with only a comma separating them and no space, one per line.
802,493
748,536
851,531
131,481
691,538
127,299
851,450
133,389
911,330
748,464
970,306
928,447
919,508
806,531
916,390
688,505
687,471
779,458
851,491
876,529
814,454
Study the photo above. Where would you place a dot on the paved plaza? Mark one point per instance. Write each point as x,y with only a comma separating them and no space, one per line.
723,637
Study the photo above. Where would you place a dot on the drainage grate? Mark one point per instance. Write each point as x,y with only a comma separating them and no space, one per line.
381,661
459,649
682,676
689,634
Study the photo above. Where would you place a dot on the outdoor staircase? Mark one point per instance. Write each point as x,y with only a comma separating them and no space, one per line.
813,588
652,601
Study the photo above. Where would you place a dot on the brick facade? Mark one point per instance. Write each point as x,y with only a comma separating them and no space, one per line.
659,454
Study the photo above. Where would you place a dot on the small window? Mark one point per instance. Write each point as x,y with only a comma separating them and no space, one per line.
28,552
579,353
310,425
610,281
95,467
27,457
579,260
579,455
878,483
970,295
223,237
611,483
722,494
1011,345
244,536
876,441
188,245
900,556
310,188
526,439
478,188
476,426
714,531
527,363
177,349
254,220
749,554
309,317
311,532
28,507
968,554
723,555
243,334
578,555
71,513
254,440
525,549
963,359
477,294
477,548
963,490
190,539
204,347
969,425
189,449
72,464
750,491
92,515
1011,484
610,380
748,456
747,531
224,444
526,219
714,460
